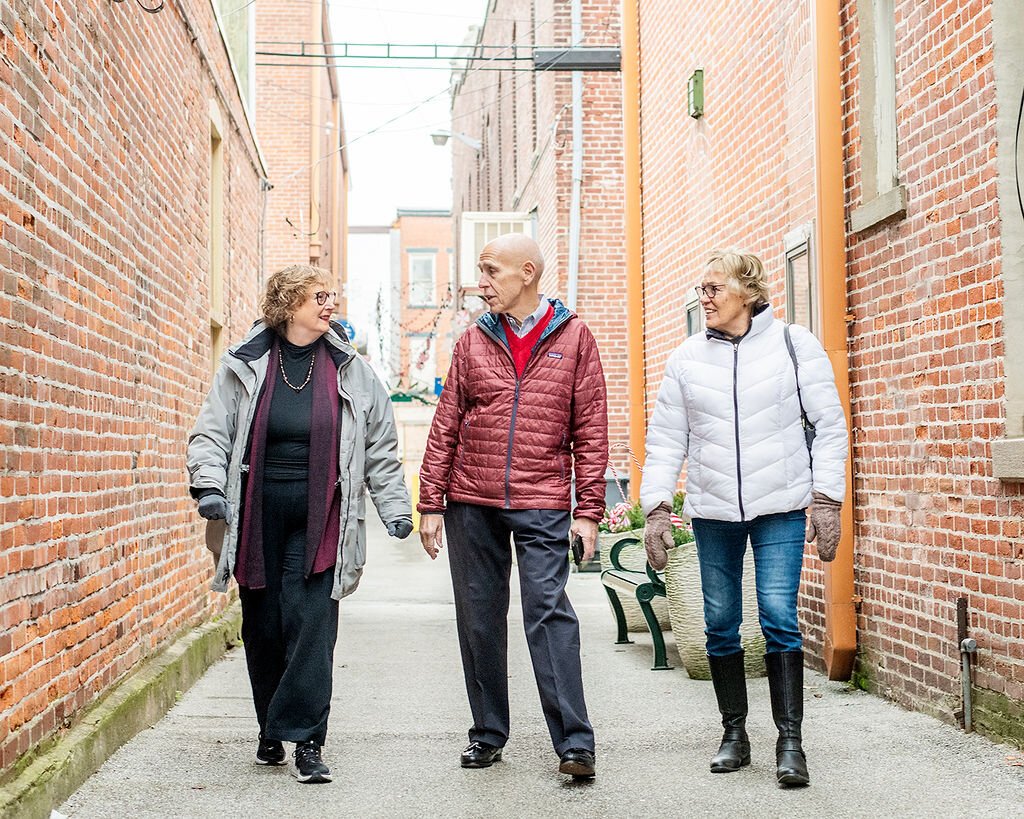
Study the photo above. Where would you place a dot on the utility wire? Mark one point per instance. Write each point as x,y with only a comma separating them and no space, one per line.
406,113
243,8
151,9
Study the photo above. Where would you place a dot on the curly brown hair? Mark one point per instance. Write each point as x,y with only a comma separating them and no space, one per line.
744,273
287,289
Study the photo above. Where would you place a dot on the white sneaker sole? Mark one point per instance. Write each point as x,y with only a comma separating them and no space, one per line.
311,779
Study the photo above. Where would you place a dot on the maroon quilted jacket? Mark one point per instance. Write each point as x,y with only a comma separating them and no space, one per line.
513,443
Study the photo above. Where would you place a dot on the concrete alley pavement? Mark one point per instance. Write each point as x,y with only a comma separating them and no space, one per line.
399,720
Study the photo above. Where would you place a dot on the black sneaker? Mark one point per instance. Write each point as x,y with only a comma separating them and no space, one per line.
270,752
309,767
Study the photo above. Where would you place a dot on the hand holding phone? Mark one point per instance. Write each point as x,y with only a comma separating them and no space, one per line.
577,550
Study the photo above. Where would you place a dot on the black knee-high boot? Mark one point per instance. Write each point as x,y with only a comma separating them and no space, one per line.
730,681
786,685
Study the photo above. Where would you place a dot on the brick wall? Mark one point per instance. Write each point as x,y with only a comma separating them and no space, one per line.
927,374
925,294
303,217
104,194
524,121
740,176
433,319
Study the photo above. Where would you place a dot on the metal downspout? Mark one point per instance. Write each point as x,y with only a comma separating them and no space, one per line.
840,611
635,354
575,204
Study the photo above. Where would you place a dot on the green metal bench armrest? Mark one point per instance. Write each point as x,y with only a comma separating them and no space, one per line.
613,556
658,578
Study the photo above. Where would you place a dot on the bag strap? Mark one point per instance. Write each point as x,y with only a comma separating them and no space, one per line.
796,370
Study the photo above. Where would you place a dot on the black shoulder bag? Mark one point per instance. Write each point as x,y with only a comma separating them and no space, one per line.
809,431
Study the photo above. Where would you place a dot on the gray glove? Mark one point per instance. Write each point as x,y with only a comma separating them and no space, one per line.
400,528
824,524
213,507
658,536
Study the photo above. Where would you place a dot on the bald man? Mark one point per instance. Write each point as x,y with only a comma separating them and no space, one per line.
523,410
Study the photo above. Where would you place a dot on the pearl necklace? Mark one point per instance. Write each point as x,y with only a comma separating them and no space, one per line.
284,375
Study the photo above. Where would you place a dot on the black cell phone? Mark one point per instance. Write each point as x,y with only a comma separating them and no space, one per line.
577,550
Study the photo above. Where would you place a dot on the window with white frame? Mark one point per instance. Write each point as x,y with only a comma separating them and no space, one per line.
477,228
422,283
801,289
694,315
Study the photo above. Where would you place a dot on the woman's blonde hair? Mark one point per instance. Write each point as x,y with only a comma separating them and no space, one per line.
744,274
287,289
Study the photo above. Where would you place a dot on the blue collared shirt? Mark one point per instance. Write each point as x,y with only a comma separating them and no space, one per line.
530,321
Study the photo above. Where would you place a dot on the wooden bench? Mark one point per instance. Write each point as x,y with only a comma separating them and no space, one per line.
644,587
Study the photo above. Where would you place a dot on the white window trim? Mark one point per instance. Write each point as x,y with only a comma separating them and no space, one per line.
882,195
1008,32
798,243
468,252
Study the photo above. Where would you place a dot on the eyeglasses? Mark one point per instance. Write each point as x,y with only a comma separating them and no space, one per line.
322,296
709,291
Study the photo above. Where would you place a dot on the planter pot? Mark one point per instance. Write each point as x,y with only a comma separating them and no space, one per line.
632,557
686,611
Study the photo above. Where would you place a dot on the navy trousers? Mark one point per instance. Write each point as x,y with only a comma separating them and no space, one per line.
290,627
480,557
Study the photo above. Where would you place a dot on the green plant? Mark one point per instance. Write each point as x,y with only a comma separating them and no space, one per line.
681,536
622,517
677,502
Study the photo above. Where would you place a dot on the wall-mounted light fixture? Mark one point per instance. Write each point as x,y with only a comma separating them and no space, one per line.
441,136
695,94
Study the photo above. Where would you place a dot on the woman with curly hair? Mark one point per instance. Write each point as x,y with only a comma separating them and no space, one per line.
295,425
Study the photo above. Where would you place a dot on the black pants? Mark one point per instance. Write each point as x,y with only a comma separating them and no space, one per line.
290,627
481,564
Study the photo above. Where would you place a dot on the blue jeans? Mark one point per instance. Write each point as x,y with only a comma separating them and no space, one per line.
778,543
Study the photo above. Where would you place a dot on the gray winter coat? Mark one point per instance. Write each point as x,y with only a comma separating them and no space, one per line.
368,451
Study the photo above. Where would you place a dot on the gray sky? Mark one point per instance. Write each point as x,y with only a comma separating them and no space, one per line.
398,166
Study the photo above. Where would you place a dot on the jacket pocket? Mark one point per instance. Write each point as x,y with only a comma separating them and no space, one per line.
216,530
360,544
462,443
563,459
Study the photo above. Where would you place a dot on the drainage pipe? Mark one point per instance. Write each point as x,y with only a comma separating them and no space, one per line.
840,611
633,225
968,646
576,203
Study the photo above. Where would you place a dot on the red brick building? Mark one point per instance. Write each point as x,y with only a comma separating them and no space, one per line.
129,233
522,178
930,99
422,298
300,127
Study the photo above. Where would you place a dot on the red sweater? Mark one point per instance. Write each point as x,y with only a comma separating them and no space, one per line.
521,347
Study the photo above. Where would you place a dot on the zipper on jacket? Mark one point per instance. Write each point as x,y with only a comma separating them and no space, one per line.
511,438
548,332
736,421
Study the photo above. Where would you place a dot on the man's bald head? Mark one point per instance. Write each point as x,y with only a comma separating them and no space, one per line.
516,249
510,268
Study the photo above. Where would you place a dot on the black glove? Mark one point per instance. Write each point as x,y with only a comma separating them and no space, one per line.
400,528
213,507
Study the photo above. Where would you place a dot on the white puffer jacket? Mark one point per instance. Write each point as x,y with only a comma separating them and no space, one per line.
731,409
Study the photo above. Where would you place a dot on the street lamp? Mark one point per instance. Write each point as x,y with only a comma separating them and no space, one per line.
440,138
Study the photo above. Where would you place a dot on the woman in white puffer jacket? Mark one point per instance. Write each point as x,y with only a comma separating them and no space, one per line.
730,406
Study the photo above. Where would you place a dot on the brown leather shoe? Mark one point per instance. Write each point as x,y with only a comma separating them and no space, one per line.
578,763
480,755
